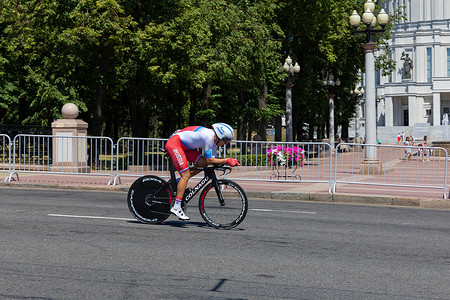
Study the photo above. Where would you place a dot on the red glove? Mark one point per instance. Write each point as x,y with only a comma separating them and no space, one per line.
232,162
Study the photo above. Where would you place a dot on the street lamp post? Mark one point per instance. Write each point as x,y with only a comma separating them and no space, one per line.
358,93
369,19
292,71
332,84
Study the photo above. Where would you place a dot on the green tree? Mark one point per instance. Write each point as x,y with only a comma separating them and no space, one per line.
144,68
31,91
323,40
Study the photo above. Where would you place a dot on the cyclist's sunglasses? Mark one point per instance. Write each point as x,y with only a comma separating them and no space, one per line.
226,140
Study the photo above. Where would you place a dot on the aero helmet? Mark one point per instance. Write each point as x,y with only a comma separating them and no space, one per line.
223,131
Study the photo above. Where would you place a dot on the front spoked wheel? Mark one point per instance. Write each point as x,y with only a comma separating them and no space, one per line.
233,210
149,199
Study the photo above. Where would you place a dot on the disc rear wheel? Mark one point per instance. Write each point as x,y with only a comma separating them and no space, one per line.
149,199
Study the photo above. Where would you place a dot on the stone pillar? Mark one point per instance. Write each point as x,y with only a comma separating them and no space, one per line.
412,110
70,154
371,164
289,129
436,109
389,117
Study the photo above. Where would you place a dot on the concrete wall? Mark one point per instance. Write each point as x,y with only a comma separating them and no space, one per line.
388,135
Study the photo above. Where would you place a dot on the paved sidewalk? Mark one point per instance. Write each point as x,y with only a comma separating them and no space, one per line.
345,193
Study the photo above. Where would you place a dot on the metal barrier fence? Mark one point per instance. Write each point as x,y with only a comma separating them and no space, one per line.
5,154
62,155
139,157
281,162
418,167
262,161
267,161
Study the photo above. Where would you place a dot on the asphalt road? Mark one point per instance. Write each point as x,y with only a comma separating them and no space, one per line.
68,244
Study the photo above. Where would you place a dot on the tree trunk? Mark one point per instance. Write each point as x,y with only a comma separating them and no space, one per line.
193,106
138,115
311,132
278,129
299,129
344,133
295,122
262,105
205,118
171,118
125,118
100,96
241,122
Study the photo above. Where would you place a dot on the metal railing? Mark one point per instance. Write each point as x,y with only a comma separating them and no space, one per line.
281,162
139,157
54,154
5,154
260,161
266,161
425,167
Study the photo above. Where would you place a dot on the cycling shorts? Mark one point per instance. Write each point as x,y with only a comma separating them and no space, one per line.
180,154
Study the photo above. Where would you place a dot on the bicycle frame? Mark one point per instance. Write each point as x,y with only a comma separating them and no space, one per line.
209,175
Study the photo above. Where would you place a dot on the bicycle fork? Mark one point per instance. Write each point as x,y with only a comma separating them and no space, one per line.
217,188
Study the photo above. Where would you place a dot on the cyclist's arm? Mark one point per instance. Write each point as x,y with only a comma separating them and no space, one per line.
217,161
211,150
232,162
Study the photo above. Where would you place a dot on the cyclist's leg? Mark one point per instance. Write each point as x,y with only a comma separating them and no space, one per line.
180,156
191,156
176,152
182,184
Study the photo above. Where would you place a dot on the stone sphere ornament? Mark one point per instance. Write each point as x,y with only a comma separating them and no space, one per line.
70,111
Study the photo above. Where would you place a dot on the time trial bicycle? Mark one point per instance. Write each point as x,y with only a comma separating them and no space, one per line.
222,203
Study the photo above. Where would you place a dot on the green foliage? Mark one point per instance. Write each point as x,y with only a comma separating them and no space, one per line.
145,68
253,160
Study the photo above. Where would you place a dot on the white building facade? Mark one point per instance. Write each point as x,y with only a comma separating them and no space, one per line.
424,95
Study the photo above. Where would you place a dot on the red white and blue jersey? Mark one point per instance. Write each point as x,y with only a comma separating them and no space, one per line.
182,146
194,137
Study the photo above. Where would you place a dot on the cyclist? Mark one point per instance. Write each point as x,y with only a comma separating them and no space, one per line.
182,148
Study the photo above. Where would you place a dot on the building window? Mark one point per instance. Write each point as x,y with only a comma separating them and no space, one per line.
448,62
429,65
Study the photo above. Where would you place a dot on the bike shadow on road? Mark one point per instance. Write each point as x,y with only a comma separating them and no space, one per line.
183,224
180,224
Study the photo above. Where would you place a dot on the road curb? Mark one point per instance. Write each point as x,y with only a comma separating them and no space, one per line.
353,199
435,203
291,196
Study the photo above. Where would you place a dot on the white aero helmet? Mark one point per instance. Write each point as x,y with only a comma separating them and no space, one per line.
223,131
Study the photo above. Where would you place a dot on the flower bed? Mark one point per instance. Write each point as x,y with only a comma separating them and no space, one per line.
285,156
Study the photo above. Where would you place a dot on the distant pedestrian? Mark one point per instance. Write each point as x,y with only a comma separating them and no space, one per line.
408,150
398,138
402,136
425,150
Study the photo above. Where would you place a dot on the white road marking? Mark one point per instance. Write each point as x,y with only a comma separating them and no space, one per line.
284,211
129,219
91,217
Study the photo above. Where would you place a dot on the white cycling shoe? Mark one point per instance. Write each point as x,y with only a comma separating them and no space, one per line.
179,213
